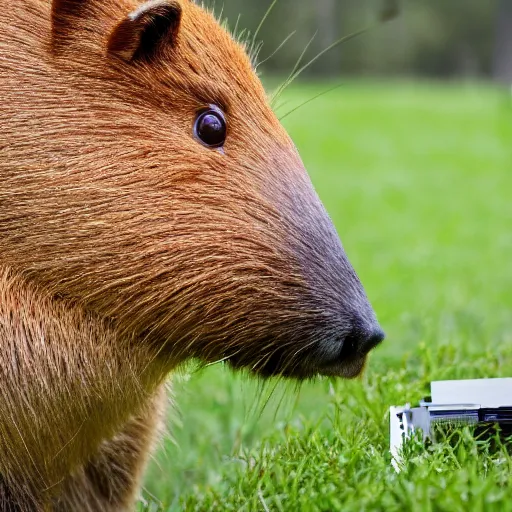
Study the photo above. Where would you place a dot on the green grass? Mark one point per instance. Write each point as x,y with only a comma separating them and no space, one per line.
418,180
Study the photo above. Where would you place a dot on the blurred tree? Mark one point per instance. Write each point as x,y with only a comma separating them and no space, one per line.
437,38
328,21
502,65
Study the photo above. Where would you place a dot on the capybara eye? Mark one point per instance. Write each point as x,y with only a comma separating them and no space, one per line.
210,127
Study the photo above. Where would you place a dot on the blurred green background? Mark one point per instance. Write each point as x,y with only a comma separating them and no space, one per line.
412,156
430,38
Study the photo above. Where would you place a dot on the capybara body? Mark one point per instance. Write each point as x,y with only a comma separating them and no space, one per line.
152,210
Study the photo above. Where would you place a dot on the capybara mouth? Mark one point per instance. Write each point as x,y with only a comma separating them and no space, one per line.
280,364
348,368
335,356
272,365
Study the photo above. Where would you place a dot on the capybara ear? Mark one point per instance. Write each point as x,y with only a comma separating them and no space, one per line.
143,32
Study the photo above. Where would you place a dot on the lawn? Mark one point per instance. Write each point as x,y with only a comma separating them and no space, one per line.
418,180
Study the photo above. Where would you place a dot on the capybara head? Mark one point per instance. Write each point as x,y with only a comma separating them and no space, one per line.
150,182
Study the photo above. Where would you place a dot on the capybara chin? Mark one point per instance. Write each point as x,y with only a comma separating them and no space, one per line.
152,210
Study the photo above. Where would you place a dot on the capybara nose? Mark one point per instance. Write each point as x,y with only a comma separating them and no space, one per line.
362,339
371,340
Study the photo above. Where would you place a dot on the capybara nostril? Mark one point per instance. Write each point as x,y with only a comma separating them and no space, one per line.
372,339
363,338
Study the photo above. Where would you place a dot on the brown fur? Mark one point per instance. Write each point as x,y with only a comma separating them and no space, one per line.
127,247
97,385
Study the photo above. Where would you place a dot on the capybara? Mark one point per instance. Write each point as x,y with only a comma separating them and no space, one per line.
152,210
